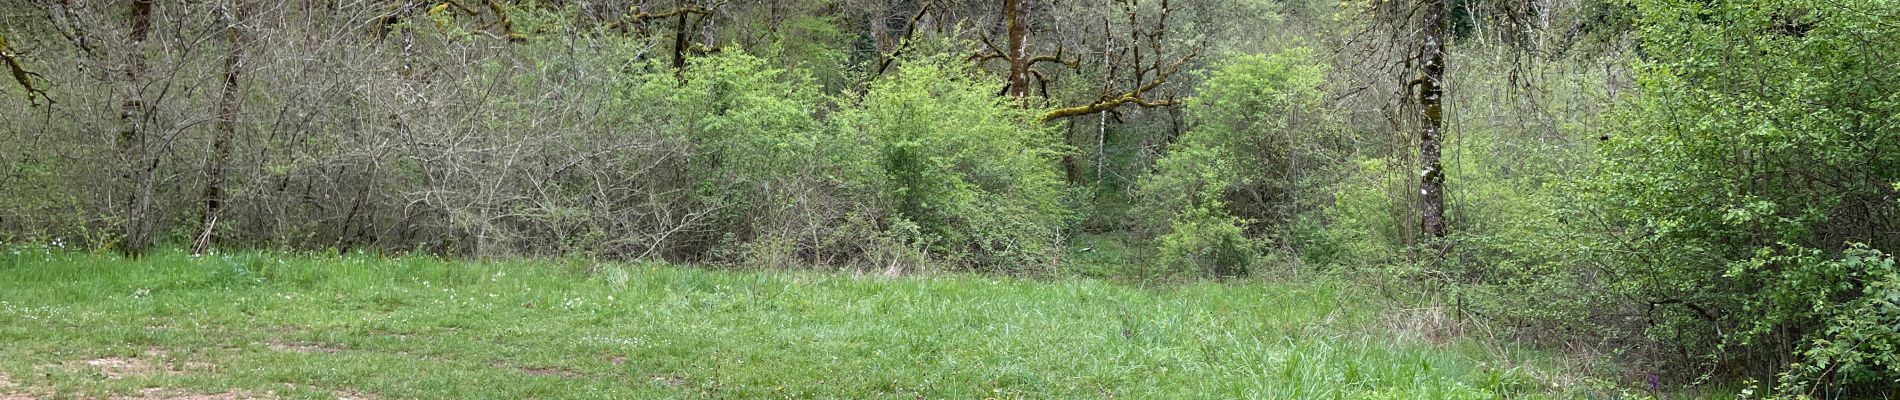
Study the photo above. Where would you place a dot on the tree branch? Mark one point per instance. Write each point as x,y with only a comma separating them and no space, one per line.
904,43
694,9
21,75
1107,104
507,25
1136,97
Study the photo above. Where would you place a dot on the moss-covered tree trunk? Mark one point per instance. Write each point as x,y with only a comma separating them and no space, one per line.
1018,47
1431,91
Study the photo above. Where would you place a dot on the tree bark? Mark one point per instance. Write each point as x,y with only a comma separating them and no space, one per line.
134,144
679,44
1018,44
1431,93
407,9
226,128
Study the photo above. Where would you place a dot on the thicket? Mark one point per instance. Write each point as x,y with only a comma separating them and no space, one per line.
1754,184
1730,217
582,142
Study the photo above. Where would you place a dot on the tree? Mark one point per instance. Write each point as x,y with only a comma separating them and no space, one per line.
233,18
136,148
1752,187
1233,182
1148,75
1018,46
1431,92
682,26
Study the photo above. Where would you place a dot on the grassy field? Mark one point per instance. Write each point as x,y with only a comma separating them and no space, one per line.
279,326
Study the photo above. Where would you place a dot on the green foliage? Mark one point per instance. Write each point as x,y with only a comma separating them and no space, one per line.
1208,243
727,154
1366,220
1188,177
1763,142
1259,123
1259,127
1743,206
1858,297
927,165
963,174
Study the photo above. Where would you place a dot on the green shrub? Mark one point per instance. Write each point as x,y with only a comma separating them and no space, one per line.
1763,142
1367,218
731,154
1259,129
1858,344
957,171
1205,242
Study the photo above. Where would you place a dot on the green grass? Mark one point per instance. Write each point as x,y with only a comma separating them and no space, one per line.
319,326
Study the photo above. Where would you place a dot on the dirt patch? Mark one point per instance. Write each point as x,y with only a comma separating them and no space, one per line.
671,381
115,367
303,347
169,394
353,395
7,393
151,362
541,371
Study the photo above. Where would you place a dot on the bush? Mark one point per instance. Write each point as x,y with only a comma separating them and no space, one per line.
1367,219
956,171
718,156
1858,344
1762,144
1205,242
1259,127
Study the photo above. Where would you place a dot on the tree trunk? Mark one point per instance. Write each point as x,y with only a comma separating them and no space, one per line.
679,44
1015,16
1430,103
406,10
225,130
134,146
